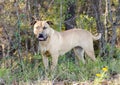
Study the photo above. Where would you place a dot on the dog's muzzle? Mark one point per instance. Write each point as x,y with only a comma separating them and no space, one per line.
42,37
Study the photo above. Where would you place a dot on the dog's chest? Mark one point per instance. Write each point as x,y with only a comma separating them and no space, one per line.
45,50
47,53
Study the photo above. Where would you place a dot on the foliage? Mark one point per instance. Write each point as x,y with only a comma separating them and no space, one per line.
32,69
22,61
86,22
3,72
101,76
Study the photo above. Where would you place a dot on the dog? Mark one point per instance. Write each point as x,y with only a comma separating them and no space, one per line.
54,43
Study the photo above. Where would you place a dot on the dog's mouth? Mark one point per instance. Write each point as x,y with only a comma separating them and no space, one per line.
42,37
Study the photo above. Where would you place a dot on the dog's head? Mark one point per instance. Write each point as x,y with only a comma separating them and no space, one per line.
42,30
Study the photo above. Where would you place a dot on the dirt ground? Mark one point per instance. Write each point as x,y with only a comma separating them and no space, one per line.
114,80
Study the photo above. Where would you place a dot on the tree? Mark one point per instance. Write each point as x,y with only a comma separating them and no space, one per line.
70,21
100,25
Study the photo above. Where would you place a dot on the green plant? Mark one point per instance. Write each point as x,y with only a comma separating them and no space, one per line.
85,21
101,76
3,72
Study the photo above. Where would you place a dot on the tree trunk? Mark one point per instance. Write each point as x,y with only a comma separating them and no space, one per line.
70,16
113,28
100,26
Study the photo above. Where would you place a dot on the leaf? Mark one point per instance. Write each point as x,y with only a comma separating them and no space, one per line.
3,71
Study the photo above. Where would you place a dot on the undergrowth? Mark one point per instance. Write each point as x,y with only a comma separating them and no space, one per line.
32,69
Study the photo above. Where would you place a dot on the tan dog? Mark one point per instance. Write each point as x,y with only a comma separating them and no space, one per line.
55,43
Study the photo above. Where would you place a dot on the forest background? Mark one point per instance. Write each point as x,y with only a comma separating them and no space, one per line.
20,59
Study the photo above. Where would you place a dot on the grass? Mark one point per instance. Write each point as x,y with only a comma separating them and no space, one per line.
32,69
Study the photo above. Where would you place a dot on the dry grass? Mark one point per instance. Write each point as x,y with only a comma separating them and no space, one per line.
113,81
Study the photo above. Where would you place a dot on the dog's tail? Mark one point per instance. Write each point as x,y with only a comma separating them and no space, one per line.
97,37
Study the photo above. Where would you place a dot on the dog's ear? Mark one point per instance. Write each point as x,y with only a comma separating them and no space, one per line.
49,22
34,20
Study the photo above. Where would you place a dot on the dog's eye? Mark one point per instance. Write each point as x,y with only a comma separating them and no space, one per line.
44,28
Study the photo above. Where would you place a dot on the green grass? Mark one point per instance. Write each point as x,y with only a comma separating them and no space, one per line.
33,69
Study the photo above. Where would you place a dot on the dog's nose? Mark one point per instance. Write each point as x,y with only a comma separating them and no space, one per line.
41,35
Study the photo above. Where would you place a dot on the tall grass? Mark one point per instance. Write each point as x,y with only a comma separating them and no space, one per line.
32,69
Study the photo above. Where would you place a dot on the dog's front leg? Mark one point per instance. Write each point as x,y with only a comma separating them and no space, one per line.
54,61
45,61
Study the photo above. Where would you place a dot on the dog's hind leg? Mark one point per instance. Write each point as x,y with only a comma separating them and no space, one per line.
90,52
88,48
79,52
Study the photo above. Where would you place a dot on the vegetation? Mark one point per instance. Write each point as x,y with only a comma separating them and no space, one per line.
20,59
